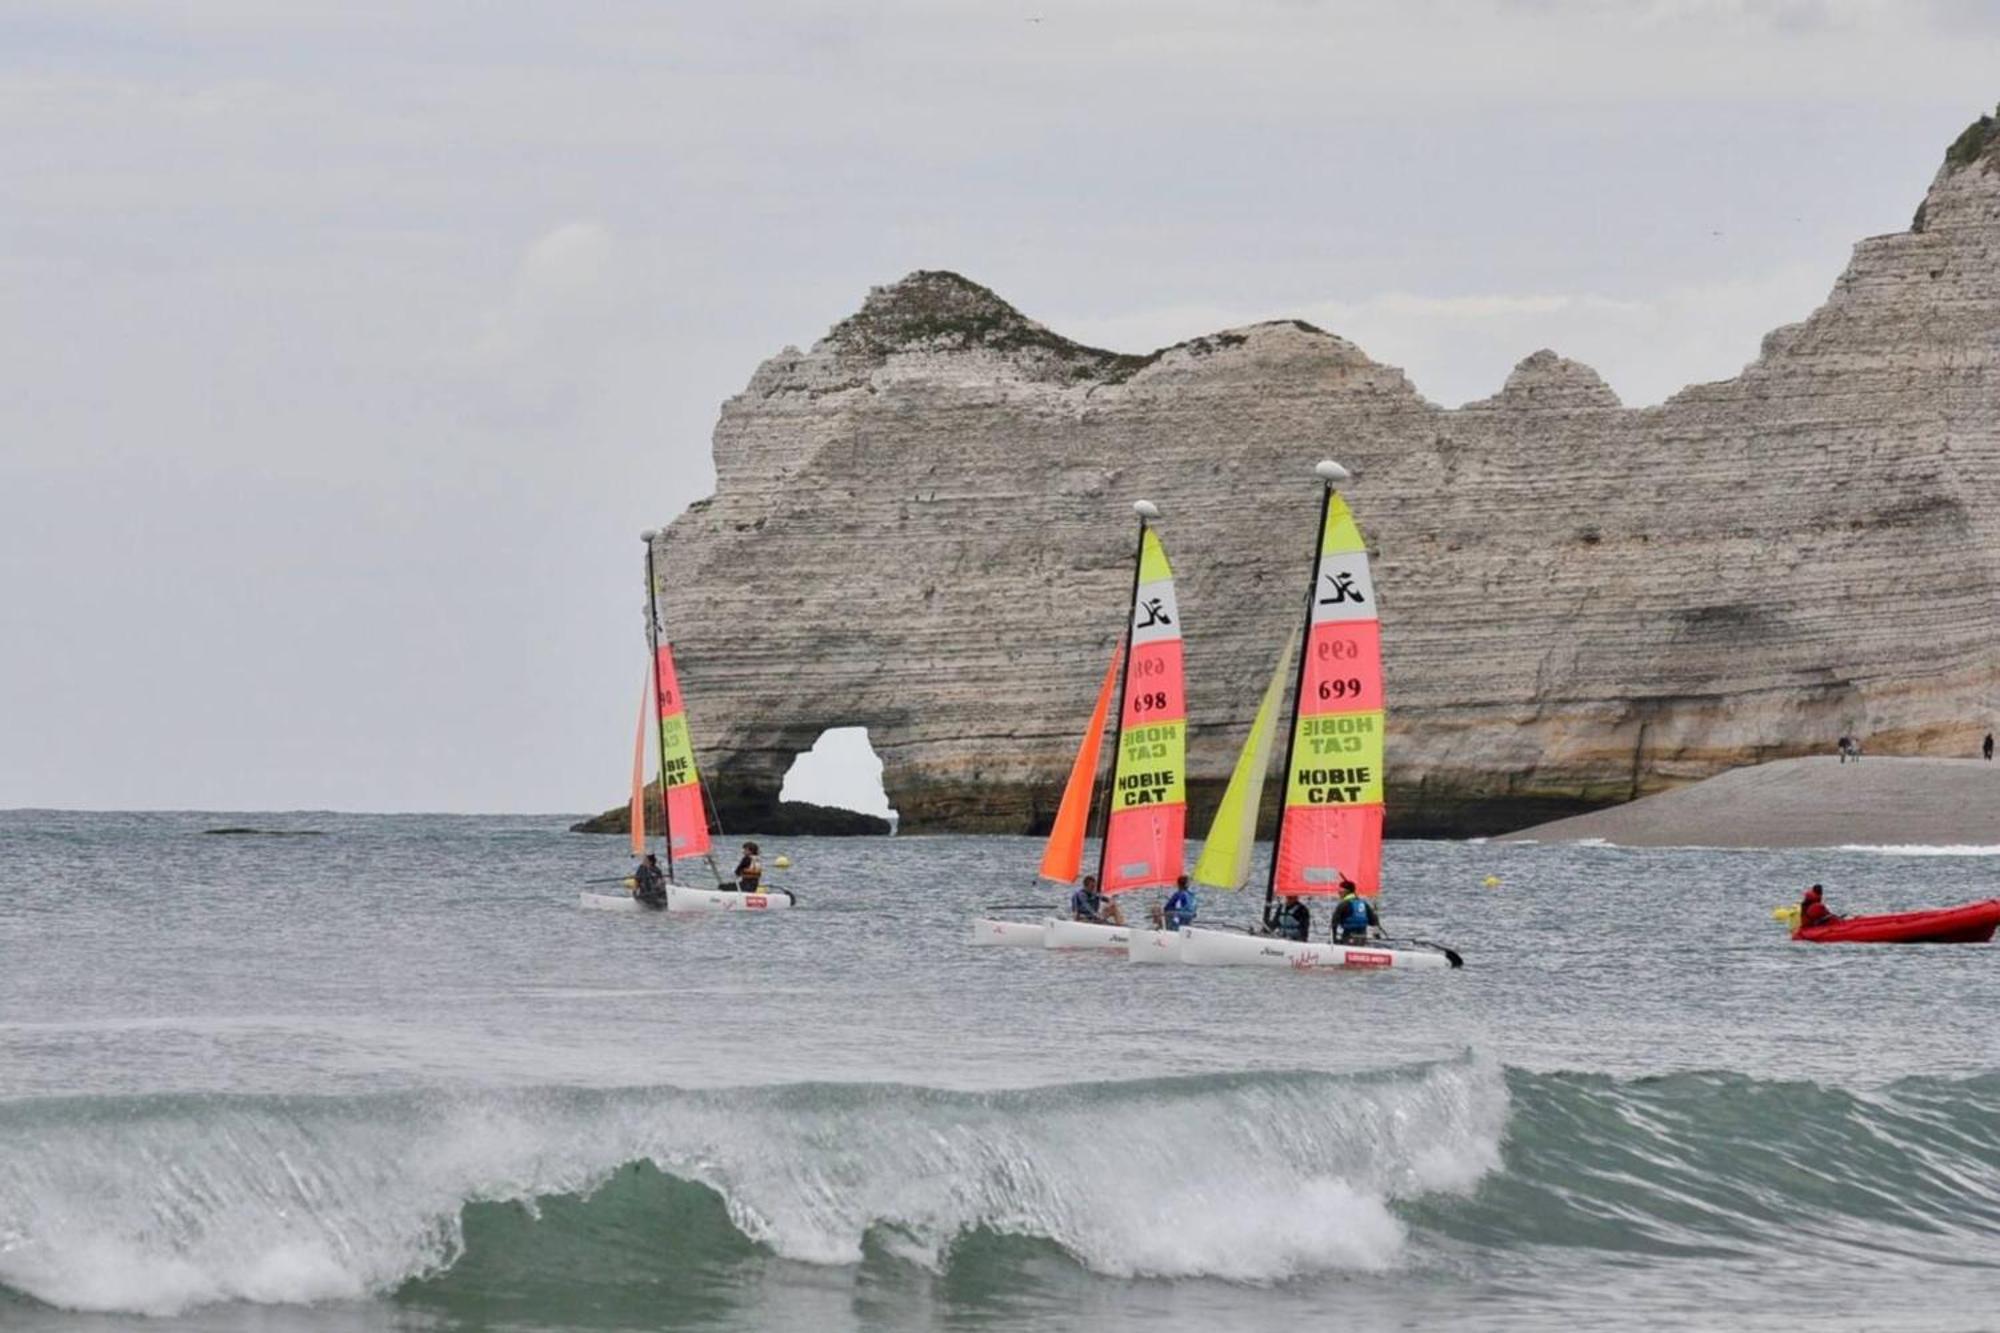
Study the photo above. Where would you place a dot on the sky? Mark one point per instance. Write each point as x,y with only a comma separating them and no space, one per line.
347,345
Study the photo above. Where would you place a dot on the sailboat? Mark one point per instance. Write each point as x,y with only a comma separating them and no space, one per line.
1144,812
1331,827
684,809
1232,836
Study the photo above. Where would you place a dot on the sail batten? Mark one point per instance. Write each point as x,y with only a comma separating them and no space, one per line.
1232,838
1145,833
1332,824
1062,858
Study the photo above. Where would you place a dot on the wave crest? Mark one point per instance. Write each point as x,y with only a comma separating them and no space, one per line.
155,1205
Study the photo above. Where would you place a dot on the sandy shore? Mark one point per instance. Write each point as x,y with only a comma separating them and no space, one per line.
1817,802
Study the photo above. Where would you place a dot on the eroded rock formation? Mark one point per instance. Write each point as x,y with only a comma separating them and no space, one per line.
921,526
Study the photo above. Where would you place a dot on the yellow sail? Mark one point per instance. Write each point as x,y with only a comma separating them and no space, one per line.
1225,855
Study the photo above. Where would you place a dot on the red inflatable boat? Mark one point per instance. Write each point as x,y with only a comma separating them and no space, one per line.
1972,923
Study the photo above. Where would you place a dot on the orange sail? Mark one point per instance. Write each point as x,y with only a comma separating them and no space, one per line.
1063,857
639,768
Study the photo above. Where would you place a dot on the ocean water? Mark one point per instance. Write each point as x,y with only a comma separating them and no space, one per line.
390,1078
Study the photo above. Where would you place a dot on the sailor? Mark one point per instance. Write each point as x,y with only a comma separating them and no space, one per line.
1353,915
651,885
1180,907
1812,911
1087,904
1290,920
750,870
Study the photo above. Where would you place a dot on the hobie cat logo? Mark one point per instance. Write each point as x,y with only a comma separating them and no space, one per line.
1155,611
1341,589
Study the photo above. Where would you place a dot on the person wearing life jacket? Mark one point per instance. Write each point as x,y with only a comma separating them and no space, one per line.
1290,920
650,885
1813,911
750,870
1087,904
1353,916
1180,906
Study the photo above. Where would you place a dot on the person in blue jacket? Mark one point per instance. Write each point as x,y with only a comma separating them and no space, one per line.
1354,916
1180,907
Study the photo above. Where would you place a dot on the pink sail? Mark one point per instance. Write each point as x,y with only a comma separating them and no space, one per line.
1332,824
687,815
1146,832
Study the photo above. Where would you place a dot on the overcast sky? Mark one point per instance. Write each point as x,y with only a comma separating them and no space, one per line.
346,345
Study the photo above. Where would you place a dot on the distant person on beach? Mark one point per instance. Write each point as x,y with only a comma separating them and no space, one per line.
1088,904
1845,744
1813,911
650,885
1353,915
750,870
1290,921
1987,749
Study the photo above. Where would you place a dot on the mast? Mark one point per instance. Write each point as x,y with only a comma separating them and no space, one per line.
1147,511
1330,473
659,736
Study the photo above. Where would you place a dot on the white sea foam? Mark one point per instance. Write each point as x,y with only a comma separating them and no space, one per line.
156,1207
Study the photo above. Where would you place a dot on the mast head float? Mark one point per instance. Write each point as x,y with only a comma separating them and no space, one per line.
647,536
1331,472
1146,509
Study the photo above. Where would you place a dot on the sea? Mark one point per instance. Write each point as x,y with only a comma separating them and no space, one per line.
360,1073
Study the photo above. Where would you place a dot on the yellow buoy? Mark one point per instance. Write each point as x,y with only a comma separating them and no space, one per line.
783,863
1491,881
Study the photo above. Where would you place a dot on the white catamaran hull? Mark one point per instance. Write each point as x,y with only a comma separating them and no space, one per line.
1060,934
1216,948
680,900
992,932
1155,946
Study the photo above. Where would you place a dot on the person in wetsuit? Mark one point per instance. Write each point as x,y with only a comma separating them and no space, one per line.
1813,911
750,870
649,884
1290,920
1354,916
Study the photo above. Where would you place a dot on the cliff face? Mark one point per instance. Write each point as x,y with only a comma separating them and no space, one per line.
921,526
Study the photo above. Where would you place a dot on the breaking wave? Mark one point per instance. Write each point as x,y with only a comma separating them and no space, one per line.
523,1199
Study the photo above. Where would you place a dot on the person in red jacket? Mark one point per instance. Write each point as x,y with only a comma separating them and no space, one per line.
1812,911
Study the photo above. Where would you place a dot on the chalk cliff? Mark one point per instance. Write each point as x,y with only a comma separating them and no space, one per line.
921,526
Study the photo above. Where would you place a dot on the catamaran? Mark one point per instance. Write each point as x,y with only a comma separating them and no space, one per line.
1331,827
685,815
1232,836
1142,841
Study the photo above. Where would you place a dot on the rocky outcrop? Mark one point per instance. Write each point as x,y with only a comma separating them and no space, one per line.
921,526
